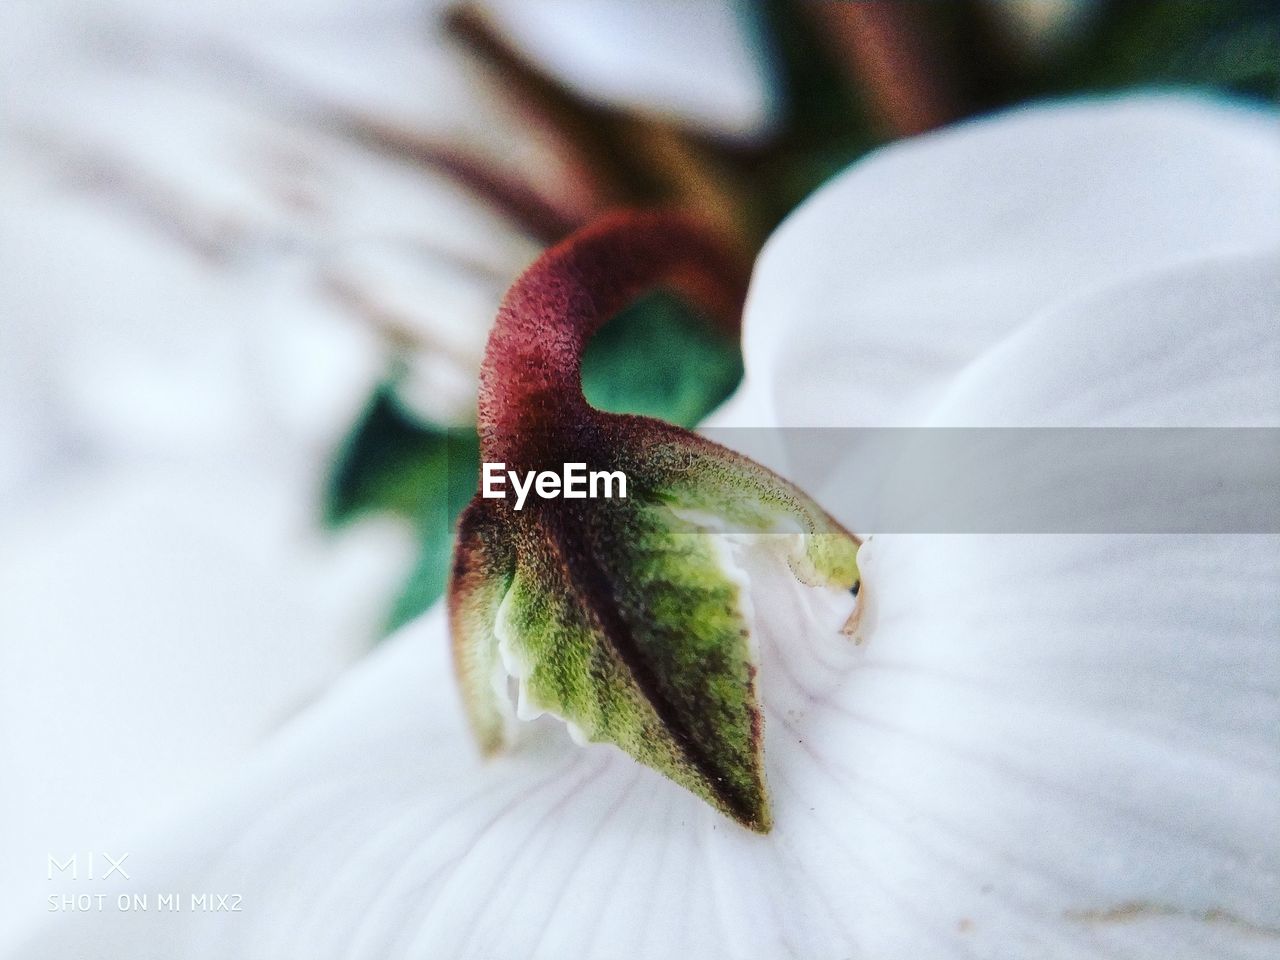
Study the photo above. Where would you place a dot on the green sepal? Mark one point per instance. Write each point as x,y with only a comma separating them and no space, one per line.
728,492
626,622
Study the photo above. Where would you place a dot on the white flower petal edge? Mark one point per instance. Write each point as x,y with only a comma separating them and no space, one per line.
926,254
1191,345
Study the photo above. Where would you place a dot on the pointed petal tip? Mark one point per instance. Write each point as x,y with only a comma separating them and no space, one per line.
758,816
762,823
746,804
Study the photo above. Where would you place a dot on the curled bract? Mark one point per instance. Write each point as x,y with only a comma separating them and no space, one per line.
625,617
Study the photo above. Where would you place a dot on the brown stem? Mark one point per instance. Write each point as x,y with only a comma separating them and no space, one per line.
895,59
530,383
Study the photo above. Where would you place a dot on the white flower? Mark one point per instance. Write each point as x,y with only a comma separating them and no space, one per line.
1046,745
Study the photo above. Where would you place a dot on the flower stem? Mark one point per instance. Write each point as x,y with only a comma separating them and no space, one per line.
530,383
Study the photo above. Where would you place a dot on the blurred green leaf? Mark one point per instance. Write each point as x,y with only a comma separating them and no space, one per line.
426,581
660,359
392,462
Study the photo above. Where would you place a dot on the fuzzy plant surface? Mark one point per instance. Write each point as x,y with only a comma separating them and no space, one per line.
624,617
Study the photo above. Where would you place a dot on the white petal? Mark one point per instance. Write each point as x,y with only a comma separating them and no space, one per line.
372,829
699,62
1028,754
159,621
1192,345
1187,346
887,282
1074,740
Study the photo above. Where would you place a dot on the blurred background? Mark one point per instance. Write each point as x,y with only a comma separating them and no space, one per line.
250,253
